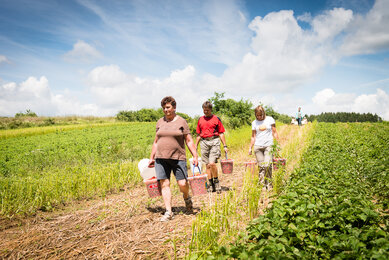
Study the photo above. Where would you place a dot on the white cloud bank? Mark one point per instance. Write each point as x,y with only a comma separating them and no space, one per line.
36,95
82,52
329,101
370,33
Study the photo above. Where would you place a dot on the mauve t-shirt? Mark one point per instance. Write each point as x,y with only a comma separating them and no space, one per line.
170,143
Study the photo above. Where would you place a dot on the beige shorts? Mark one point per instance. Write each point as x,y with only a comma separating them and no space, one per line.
210,150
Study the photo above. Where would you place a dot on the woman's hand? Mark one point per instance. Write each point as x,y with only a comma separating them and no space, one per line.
195,161
151,163
250,151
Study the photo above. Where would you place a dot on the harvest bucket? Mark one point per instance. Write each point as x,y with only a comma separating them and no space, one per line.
198,183
195,169
227,165
278,162
251,166
153,187
145,171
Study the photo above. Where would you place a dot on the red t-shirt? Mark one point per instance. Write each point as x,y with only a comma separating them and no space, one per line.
209,126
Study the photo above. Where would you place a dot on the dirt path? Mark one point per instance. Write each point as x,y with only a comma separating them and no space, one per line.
121,226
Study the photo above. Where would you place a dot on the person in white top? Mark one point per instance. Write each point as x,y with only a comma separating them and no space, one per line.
263,132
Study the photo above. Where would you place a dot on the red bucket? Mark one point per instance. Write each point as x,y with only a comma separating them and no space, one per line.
227,166
153,187
251,166
198,183
278,163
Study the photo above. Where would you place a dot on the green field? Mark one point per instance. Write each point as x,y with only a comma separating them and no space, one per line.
336,204
43,167
333,202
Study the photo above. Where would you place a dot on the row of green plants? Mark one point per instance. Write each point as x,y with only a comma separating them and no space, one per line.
334,206
45,170
226,216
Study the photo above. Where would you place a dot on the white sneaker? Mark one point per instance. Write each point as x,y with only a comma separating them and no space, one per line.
167,216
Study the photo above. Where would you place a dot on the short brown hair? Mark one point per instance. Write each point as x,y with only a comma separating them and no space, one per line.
260,109
168,99
207,104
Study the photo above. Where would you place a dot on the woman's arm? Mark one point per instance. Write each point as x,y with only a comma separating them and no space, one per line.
197,141
253,134
153,151
189,142
274,132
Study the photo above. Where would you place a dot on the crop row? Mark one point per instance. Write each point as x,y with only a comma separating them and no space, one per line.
41,171
335,205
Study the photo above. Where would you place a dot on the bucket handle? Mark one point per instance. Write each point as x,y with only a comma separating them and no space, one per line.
194,166
226,156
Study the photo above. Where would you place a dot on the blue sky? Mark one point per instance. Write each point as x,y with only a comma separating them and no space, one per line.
85,57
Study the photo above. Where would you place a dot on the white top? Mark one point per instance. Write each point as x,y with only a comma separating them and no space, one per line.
264,134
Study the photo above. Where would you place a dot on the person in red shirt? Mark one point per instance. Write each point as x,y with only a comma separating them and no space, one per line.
210,131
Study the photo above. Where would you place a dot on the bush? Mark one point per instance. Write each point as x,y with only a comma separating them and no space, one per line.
28,113
145,115
239,113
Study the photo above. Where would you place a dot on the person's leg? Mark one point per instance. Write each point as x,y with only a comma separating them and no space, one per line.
205,151
181,175
166,194
163,170
268,167
214,155
260,156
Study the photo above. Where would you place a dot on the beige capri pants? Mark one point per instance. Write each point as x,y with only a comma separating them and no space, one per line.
263,155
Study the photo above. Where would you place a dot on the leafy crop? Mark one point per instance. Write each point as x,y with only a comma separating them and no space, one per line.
42,171
334,206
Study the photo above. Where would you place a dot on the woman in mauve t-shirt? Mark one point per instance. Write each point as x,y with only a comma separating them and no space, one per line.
168,154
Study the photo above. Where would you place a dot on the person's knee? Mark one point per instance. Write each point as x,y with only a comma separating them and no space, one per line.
211,165
165,183
182,183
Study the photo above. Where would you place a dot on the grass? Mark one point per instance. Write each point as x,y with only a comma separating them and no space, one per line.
41,171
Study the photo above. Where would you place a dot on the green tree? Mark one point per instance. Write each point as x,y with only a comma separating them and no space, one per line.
28,113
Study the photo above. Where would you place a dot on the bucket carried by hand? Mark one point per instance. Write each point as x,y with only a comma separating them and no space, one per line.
227,165
198,182
278,163
251,166
149,178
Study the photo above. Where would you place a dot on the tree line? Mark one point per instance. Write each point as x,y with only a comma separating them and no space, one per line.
233,114
344,117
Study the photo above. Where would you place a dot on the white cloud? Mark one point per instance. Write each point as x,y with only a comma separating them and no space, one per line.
329,101
369,33
284,56
116,90
82,52
36,95
3,59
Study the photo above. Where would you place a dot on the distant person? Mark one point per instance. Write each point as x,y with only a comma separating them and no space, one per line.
263,132
299,116
168,154
210,131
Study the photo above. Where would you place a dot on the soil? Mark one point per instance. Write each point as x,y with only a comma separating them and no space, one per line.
120,226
